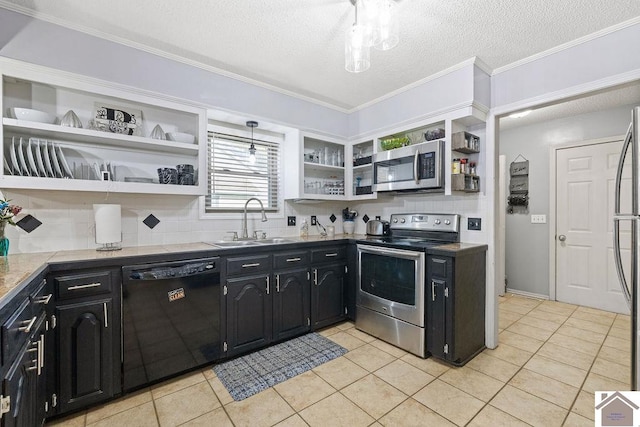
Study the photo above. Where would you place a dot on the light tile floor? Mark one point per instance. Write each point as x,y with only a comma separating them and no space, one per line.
550,360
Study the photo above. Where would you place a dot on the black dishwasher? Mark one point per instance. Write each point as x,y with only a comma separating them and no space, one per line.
170,319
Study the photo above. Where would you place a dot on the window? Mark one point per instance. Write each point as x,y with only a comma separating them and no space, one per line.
232,179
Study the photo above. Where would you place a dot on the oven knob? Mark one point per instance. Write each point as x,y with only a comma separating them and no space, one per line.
395,220
437,221
402,220
447,222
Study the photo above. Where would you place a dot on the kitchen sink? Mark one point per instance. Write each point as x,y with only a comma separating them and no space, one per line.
240,243
274,240
233,243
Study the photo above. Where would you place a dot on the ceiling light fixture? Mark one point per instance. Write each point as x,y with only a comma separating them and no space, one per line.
520,114
375,25
252,148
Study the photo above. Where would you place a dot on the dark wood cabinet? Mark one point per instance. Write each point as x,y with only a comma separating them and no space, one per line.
328,294
455,306
291,303
85,348
87,337
249,313
25,382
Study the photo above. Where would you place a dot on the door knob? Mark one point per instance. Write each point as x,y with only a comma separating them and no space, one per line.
562,237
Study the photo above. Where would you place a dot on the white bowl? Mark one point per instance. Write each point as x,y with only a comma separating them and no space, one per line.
31,115
185,138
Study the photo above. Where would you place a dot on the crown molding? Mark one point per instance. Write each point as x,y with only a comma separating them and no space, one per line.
568,45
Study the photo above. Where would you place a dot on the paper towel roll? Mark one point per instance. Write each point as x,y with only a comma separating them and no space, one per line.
108,223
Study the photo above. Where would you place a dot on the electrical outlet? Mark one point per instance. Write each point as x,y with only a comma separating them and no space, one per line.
313,220
538,219
474,223
291,221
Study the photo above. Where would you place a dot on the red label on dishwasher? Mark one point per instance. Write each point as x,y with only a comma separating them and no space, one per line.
176,294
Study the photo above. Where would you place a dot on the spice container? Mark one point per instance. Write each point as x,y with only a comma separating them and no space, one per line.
472,168
463,165
455,166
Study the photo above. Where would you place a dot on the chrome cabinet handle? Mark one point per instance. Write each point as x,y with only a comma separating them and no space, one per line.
315,276
562,237
277,283
106,321
34,367
267,285
88,285
41,354
44,300
255,264
29,323
332,254
293,259
433,290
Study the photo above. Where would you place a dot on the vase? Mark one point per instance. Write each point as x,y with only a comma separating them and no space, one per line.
4,242
348,227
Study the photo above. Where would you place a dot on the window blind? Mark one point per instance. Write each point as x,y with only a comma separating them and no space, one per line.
232,179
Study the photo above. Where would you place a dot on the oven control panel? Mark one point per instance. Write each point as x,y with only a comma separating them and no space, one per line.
426,222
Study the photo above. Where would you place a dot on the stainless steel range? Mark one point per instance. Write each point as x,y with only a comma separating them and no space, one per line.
390,301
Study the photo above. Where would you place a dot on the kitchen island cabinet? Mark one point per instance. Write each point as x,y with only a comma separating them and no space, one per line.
456,304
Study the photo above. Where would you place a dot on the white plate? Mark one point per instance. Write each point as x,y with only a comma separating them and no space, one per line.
6,166
65,165
96,169
54,160
31,160
23,164
14,159
47,159
41,170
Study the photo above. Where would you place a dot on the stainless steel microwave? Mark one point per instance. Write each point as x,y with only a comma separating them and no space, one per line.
415,167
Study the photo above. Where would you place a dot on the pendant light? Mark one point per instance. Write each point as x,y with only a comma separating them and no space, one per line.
357,47
376,25
252,148
385,34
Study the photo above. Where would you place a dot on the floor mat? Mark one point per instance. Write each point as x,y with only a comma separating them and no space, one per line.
252,373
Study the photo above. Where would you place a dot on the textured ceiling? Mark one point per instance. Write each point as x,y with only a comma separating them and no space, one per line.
298,45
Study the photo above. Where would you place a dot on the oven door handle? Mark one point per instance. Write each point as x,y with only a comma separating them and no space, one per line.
391,251
416,171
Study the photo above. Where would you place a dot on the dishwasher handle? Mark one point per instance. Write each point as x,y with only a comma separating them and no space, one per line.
171,270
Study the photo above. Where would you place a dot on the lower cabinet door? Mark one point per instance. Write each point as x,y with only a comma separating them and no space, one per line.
20,384
327,295
437,325
291,304
249,313
85,353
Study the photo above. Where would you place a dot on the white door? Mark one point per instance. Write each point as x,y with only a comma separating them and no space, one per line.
585,189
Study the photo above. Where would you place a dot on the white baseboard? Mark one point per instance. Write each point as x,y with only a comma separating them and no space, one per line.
527,294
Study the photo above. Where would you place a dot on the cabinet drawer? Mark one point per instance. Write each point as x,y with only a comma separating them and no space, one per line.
328,254
294,259
17,329
439,267
248,264
81,285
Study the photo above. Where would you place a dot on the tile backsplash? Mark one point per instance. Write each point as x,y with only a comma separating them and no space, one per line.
67,218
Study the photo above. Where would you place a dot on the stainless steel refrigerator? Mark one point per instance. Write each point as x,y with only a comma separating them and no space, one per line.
630,279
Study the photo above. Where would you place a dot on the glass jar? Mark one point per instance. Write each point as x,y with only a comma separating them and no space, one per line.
455,167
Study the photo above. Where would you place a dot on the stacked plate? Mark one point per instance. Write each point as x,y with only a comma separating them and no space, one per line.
36,157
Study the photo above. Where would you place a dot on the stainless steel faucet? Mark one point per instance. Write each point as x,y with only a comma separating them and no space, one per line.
245,232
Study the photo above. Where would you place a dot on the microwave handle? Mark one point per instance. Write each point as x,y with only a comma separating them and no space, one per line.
415,167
